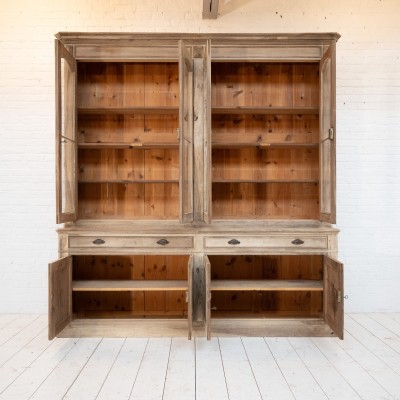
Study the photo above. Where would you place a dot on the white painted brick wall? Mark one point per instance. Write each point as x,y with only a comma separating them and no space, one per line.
368,116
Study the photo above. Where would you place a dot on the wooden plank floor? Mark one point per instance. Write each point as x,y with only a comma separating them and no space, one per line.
366,365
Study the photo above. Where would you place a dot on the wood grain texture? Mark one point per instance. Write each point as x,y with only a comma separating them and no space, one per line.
60,293
333,295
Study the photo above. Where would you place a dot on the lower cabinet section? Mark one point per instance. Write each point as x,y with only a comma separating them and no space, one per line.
119,287
283,286
244,295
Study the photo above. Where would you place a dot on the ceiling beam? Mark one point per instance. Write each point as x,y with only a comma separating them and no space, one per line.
210,9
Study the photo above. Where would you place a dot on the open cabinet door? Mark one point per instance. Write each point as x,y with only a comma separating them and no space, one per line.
186,133
207,268
327,149
333,295
60,295
66,149
190,297
202,131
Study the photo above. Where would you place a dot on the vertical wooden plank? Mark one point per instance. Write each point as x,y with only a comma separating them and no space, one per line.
180,381
60,295
333,295
327,141
207,269
186,134
199,289
210,376
190,296
155,268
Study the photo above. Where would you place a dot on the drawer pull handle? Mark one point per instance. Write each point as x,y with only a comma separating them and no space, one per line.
98,241
297,241
234,242
162,242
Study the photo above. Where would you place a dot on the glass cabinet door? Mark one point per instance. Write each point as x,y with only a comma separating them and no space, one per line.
327,149
66,149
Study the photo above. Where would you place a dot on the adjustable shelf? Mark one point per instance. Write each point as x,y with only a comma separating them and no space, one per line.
127,110
127,181
227,145
128,285
267,285
264,181
265,110
122,146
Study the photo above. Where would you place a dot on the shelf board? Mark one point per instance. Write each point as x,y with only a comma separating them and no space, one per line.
128,110
267,285
222,145
265,110
129,181
127,285
128,145
264,181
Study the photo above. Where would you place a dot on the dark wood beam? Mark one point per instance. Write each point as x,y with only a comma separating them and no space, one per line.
210,9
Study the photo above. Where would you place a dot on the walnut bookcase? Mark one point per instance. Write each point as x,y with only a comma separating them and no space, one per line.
196,185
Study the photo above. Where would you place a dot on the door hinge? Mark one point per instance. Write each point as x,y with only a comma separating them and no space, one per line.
331,133
178,134
187,296
339,297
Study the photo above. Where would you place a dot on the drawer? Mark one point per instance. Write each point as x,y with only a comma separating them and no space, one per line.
292,242
155,242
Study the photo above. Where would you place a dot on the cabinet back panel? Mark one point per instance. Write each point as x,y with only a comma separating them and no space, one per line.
265,84
128,164
128,201
271,164
265,200
242,303
121,84
130,304
129,128
259,129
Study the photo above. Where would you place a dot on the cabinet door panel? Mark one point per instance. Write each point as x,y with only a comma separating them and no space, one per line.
186,133
327,137
333,295
207,268
66,150
60,295
190,296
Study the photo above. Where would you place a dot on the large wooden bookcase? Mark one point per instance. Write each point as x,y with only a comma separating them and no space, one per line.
196,185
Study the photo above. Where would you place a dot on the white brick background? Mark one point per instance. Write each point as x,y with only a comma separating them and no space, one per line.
368,116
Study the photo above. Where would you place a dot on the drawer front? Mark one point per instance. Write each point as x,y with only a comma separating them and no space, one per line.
291,242
154,242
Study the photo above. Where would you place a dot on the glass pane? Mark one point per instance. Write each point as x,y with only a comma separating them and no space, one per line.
67,97
326,184
67,175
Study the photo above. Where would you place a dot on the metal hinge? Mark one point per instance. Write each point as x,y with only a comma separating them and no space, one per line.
187,296
339,297
178,134
331,133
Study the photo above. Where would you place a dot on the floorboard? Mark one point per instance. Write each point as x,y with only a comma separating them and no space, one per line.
365,365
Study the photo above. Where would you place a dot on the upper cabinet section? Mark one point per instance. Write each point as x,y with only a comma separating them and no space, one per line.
66,193
195,128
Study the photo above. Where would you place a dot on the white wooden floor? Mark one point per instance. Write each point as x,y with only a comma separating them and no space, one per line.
366,365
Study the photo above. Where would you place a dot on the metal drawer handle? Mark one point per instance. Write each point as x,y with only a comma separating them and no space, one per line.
98,241
234,242
297,241
162,242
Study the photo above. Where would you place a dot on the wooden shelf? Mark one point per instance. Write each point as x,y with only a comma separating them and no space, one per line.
128,110
265,110
128,285
222,145
128,146
126,181
264,181
267,285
